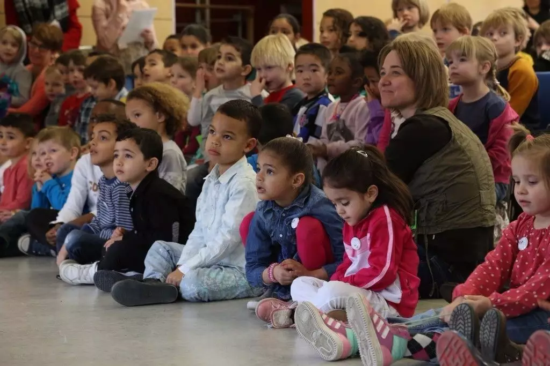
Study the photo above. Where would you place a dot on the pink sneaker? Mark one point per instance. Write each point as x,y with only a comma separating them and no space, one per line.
380,343
333,339
278,313
537,350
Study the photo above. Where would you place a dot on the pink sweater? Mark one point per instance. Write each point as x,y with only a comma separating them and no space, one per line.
17,187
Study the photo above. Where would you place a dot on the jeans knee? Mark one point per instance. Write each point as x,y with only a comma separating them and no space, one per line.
191,289
71,240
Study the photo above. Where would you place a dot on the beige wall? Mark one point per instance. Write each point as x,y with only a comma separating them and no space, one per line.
164,20
479,9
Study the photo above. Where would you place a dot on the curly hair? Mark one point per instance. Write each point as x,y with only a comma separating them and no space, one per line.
341,21
166,100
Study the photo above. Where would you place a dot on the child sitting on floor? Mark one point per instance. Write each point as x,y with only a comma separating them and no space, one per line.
345,120
273,58
70,107
334,29
55,92
157,66
159,212
295,230
211,266
62,64
162,108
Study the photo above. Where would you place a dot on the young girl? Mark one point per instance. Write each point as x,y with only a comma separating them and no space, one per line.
288,25
172,44
334,29
368,33
162,108
295,230
409,16
137,71
17,79
194,38
346,119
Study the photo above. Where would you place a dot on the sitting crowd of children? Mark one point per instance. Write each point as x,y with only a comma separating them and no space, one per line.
277,172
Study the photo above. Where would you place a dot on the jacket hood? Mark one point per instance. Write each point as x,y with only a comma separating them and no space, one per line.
23,49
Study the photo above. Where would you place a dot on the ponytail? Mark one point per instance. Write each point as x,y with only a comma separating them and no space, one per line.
494,84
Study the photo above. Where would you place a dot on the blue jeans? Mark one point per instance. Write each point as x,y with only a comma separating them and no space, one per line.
84,247
10,232
521,328
202,284
62,233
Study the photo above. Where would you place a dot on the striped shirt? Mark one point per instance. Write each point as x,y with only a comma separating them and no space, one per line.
113,208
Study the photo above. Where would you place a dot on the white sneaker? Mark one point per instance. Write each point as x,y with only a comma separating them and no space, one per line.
77,274
24,243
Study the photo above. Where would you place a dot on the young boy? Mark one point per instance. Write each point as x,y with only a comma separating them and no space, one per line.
506,28
172,45
55,91
58,149
106,79
70,108
159,212
541,41
273,58
312,62
157,66
62,64
448,23
210,266
84,245
81,205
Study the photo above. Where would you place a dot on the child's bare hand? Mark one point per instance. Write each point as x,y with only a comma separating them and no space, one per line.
111,241
5,215
446,312
396,25
175,278
257,86
297,268
371,94
118,232
318,151
481,304
283,276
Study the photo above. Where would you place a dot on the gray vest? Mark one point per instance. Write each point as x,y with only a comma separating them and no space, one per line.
455,188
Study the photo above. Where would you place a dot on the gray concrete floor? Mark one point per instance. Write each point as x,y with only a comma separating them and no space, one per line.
44,321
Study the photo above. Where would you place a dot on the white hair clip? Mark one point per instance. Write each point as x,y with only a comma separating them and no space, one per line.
363,153
296,138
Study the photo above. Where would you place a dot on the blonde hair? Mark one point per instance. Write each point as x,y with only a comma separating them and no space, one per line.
273,50
34,148
507,16
522,143
189,64
421,5
209,55
64,136
52,70
483,50
421,61
15,33
453,14
166,100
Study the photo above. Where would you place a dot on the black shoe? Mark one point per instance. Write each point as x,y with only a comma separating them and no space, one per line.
135,293
105,280
465,321
495,344
446,291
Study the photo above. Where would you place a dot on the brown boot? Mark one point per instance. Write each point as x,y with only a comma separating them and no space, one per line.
495,344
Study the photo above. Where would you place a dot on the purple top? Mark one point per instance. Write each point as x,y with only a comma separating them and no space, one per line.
376,121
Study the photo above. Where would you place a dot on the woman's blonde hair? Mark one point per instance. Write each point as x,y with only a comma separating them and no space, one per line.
273,50
421,61
423,9
522,143
166,100
15,33
483,50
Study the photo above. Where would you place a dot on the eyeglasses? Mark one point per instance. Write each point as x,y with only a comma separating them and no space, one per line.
40,47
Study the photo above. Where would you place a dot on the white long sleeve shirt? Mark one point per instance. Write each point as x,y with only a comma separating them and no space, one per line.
84,191
224,202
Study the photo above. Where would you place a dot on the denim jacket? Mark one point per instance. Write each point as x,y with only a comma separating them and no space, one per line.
271,237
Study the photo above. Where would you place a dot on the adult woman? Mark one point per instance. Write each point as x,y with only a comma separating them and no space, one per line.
441,160
44,46
110,17
25,14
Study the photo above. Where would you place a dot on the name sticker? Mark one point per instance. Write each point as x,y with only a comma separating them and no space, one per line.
523,243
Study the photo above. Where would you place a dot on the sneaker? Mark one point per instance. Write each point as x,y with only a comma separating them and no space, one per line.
278,313
537,350
380,343
495,344
333,339
105,280
77,274
31,247
24,243
453,349
465,321
147,292
253,304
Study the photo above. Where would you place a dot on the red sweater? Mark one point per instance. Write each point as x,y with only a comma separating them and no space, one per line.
70,109
522,258
71,38
17,187
381,256
497,141
275,97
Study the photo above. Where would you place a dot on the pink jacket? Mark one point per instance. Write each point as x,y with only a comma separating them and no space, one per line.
497,141
385,133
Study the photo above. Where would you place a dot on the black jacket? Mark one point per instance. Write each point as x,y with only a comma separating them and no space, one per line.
159,212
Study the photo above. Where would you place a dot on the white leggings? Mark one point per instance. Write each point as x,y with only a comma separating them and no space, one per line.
328,296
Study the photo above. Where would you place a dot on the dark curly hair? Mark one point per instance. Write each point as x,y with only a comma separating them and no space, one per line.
342,19
374,30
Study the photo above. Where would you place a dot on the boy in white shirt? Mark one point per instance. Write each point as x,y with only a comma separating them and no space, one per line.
210,266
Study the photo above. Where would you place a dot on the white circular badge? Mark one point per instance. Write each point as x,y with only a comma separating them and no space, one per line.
523,242
294,223
355,243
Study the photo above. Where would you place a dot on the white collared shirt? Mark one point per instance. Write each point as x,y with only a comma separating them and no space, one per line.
224,202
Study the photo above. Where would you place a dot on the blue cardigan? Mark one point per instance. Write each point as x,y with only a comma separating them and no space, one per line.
53,194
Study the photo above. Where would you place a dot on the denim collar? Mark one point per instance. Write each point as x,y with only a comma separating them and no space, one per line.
299,202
